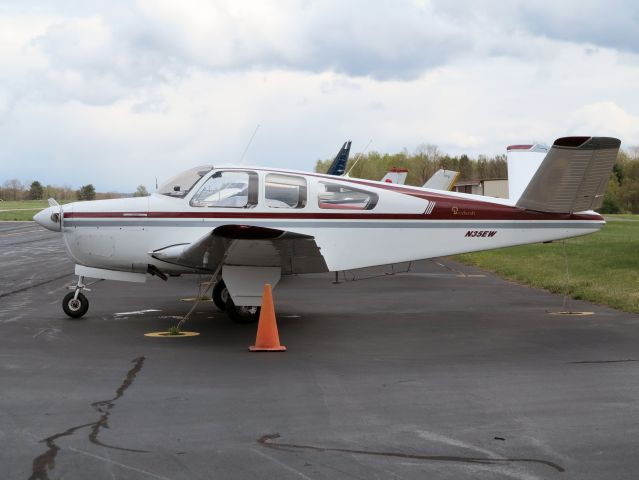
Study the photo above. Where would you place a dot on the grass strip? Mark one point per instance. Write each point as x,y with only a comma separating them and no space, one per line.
603,267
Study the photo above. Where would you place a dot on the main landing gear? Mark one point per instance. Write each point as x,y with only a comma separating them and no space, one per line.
237,314
75,304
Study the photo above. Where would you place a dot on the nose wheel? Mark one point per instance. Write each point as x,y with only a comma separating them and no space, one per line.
75,304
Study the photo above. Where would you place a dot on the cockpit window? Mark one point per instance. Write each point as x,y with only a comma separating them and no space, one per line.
182,184
229,188
342,197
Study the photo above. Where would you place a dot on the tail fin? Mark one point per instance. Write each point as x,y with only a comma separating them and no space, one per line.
573,176
523,162
395,175
338,167
442,180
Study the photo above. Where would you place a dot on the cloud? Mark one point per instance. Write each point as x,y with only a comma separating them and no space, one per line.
160,40
605,118
121,93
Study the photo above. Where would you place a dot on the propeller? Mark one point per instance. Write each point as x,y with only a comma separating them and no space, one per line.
55,215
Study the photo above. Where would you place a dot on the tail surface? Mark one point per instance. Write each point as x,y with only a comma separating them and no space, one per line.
442,180
338,167
523,162
395,175
572,176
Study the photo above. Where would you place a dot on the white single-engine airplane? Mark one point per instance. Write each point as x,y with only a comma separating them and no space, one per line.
247,226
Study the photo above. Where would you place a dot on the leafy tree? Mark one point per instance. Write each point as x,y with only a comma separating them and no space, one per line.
86,192
141,192
36,192
611,203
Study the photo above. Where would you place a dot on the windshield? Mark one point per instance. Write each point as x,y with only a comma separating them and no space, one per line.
181,184
228,189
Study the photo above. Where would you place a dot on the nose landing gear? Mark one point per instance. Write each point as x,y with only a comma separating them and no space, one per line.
75,304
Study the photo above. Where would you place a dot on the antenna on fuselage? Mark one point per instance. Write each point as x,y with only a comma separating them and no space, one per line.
249,143
359,156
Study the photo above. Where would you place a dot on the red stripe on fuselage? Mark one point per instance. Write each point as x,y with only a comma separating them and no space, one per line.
463,214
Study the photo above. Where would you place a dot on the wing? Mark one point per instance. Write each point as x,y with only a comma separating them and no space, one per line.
246,245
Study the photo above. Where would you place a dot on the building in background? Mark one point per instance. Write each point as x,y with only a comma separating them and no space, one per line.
492,187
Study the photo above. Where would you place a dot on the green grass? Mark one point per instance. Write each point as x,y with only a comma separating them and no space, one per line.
603,267
22,210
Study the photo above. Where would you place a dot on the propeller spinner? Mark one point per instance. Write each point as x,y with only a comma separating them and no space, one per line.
50,218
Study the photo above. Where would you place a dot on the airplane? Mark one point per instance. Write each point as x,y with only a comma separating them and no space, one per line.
443,180
289,222
395,175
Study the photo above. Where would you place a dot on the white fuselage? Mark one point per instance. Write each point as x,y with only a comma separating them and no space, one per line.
406,223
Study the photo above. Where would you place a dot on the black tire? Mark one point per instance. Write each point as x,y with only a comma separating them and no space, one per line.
75,308
220,295
242,315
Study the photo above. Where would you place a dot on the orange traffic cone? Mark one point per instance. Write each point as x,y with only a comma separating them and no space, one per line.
267,340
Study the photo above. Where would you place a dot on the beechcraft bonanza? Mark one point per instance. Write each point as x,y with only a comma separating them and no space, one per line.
247,226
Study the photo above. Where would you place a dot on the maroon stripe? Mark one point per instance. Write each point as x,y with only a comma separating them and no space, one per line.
519,147
440,213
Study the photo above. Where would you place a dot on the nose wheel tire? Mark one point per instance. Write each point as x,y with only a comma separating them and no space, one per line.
242,314
75,307
220,295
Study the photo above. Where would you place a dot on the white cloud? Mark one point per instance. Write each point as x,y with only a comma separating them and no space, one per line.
118,94
606,118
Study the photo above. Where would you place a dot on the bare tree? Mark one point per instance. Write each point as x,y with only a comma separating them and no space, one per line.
428,156
13,189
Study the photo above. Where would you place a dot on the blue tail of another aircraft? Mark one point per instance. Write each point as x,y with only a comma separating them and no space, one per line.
338,167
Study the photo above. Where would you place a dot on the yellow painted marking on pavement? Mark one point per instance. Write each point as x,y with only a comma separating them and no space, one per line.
576,314
168,335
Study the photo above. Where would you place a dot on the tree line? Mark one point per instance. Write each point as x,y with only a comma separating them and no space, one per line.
15,190
622,194
421,165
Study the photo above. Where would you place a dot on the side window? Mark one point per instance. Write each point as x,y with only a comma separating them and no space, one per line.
236,189
285,191
342,197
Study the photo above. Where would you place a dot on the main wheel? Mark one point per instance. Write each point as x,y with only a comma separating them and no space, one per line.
242,314
220,295
75,307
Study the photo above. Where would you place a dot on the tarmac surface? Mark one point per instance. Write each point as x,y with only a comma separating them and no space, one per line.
445,372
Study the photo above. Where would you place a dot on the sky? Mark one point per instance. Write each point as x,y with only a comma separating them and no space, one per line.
119,93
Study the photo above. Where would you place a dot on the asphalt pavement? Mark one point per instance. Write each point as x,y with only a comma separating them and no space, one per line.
441,372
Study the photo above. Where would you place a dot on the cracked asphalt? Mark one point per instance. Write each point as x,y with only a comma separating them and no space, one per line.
442,372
